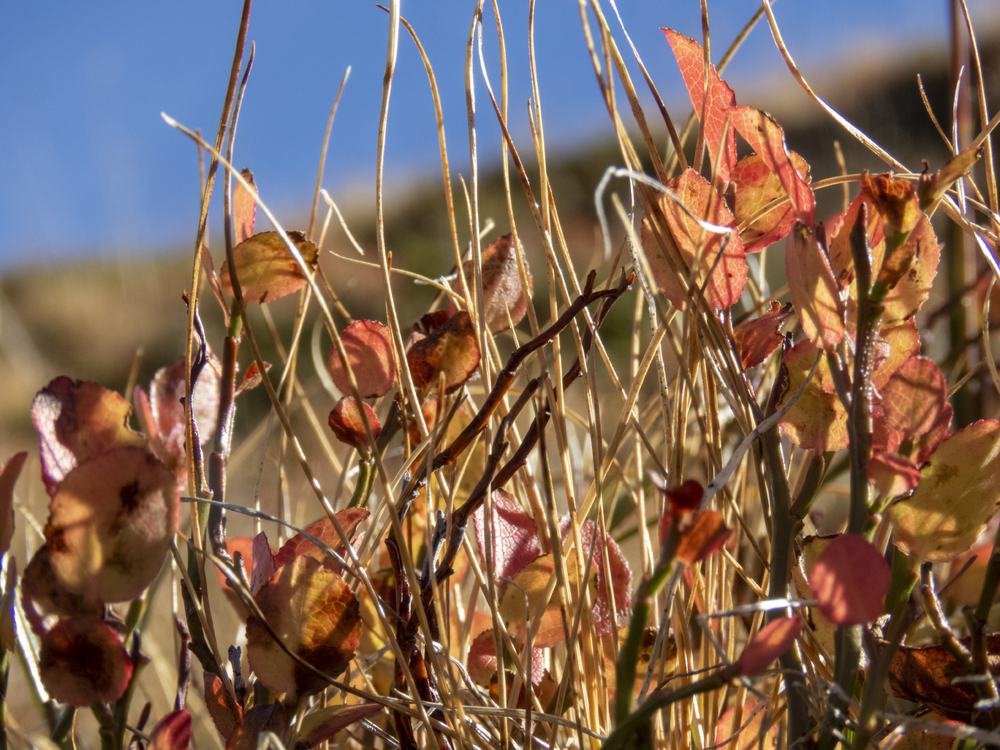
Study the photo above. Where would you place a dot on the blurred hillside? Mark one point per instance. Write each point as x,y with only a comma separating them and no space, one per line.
94,320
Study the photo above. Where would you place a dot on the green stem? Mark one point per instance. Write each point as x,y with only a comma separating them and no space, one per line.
366,480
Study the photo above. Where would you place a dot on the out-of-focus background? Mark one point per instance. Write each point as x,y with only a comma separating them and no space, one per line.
99,197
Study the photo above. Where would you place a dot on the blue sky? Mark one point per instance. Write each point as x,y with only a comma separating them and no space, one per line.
89,168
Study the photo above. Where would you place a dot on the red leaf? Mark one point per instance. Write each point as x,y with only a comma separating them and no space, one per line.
926,444
767,139
252,378
683,236
347,425
451,349
263,563
111,523
9,473
691,60
914,396
813,288
368,345
502,293
894,198
172,732
838,236
703,532
850,580
686,497
514,537
324,530
770,643
321,724
482,661
621,577
266,269
756,186
75,422
892,474
756,339
82,662
226,715
244,208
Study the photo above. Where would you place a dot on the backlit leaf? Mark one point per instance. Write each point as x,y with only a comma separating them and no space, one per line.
324,530
244,208
895,200
850,580
368,345
691,60
45,599
817,421
266,269
225,713
767,139
9,473
695,245
959,492
172,732
315,614
838,238
514,534
111,523
892,474
703,534
914,288
347,425
263,566
756,339
914,396
813,288
75,422
266,717
770,644
451,349
321,724
895,344
502,295
83,662
621,576
933,187
756,186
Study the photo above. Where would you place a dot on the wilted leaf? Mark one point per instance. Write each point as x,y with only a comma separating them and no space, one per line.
850,580
252,378
958,494
75,422
767,139
757,338
315,614
82,662
914,396
502,294
895,199
695,245
691,60
756,186
172,732
225,713
45,599
817,421
324,530
770,644
451,349
427,323
347,425
892,474
111,523
9,473
933,187
244,208
322,724
813,288
368,345
514,535
753,735
266,269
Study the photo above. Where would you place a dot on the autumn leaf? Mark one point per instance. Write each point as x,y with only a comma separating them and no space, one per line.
895,200
321,724
770,644
703,533
9,473
225,713
838,238
913,289
959,492
347,425
77,421
83,662
111,523
749,736
451,349
266,269
756,339
265,717
914,396
817,420
850,580
813,288
756,186
244,208
368,345
933,187
172,732
324,530
502,292
691,60
894,345
767,139
528,589
696,246
45,599
514,535
482,661
892,474
315,615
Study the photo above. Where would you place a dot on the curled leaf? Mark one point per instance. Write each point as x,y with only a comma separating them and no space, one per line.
368,345
83,662
850,580
346,423
244,208
756,186
502,292
172,732
9,473
451,349
756,339
895,200
225,713
932,188
266,269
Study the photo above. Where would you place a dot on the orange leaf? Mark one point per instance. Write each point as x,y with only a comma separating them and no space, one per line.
914,396
756,339
958,494
703,534
756,186
529,587
451,349
695,246
172,732
908,295
813,288
895,199
266,717
45,599
9,473
897,343
767,139
817,421
75,422
502,294
315,615
244,208
932,188
83,662
321,724
298,545
111,523
770,643
266,269
368,345
892,474
850,580
691,60
225,713
347,425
